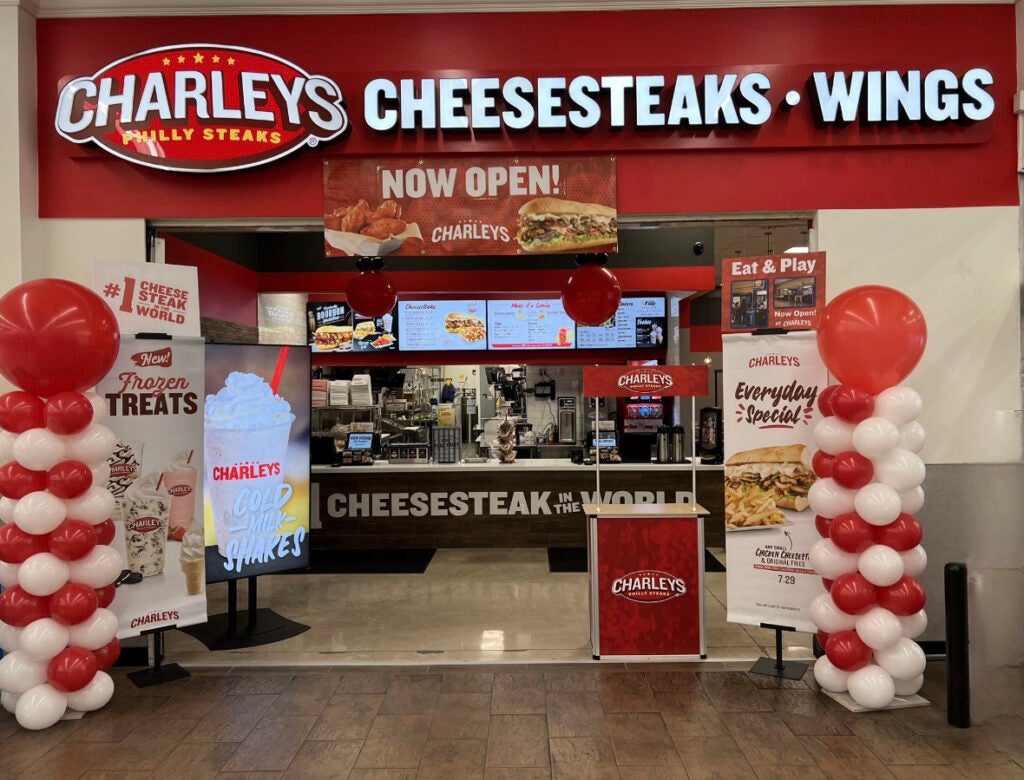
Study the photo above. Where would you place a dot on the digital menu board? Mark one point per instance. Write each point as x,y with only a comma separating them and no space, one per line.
638,322
529,324
375,334
443,325
329,326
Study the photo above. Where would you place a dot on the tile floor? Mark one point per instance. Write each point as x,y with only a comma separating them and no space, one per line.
470,606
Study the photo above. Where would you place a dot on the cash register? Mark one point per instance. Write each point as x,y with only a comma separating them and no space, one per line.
609,447
359,449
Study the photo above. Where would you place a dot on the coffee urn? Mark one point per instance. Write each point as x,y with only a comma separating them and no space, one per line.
665,449
711,424
678,443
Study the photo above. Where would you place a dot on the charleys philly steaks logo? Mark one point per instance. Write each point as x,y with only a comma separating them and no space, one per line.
201,107
775,405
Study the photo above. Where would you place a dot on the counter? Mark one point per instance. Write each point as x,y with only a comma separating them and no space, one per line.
528,503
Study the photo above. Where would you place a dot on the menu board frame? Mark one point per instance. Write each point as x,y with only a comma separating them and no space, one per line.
536,313
461,324
653,336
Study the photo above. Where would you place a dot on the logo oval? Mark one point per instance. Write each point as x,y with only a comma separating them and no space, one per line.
178,491
144,524
649,586
645,380
201,107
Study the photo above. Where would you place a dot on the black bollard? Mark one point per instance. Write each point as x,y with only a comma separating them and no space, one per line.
958,682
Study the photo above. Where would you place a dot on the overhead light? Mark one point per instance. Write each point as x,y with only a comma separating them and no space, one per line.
793,249
707,359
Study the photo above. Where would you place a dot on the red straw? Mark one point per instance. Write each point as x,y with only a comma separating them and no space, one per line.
282,357
159,480
190,454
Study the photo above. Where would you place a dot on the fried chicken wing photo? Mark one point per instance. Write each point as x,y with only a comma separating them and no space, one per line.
356,218
387,209
384,228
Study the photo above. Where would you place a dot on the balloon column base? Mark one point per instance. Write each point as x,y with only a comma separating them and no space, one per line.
157,675
788,670
898,703
232,632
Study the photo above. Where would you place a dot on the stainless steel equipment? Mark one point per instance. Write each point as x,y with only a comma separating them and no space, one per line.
567,420
665,450
678,444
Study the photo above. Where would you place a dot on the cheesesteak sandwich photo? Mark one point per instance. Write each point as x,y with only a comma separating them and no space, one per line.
761,481
556,225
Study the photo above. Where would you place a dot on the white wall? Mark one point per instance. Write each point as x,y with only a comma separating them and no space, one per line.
961,268
67,248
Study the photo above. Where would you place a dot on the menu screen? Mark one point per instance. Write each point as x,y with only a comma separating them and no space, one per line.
525,324
443,325
329,326
375,334
638,322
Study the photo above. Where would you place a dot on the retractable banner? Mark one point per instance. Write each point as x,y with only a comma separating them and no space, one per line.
154,404
150,297
771,385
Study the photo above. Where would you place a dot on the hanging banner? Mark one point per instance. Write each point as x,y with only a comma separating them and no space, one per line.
256,477
770,388
469,206
154,403
629,381
150,297
773,291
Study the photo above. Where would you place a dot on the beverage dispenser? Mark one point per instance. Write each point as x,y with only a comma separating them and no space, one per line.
711,424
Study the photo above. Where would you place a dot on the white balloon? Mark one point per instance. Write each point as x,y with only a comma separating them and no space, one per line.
901,470
881,565
904,660
8,574
101,474
99,406
39,449
829,499
875,436
43,574
92,445
94,695
829,676
912,436
912,500
97,568
828,617
10,637
19,672
95,631
7,507
7,440
914,561
878,504
40,707
878,628
871,687
94,506
829,561
914,625
909,687
39,512
9,701
899,404
42,639
833,436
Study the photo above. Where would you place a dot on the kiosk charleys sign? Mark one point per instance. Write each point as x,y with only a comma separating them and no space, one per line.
649,586
201,107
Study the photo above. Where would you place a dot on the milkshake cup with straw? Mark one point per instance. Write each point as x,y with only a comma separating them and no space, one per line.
247,428
145,509
180,481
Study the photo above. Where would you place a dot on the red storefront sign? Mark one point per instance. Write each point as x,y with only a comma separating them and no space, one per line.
649,587
773,291
469,206
629,381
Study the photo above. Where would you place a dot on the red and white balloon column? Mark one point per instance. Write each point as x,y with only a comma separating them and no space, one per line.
57,568
865,499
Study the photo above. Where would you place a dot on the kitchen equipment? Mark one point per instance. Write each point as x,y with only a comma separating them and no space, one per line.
711,424
678,444
567,420
665,451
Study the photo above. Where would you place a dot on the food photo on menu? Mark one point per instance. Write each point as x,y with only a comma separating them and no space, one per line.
375,334
458,325
369,230
529,324
329,327
761,483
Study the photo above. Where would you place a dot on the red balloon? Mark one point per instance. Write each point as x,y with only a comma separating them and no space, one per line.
104,532
44,315
871,337
591,295
16,481
68,413
17,546
72,539
853,594
68,479
105,595
823,524
851,404
825,400
822,463
20,411
851,533
823,638
372,293
852,470
71,669
73,603
107,655
904,598
827,583
847,651
902,534
18,607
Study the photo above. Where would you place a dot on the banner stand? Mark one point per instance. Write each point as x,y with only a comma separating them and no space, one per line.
233,630
789,670
157,673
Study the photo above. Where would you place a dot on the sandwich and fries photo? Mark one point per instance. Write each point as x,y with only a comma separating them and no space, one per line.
759,483
558,225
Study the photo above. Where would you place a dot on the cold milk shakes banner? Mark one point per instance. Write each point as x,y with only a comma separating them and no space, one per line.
771,386
256,478
154,404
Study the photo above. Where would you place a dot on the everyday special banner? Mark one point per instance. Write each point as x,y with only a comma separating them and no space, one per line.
771,386
256,477
154,403
150,297
773,291
469,206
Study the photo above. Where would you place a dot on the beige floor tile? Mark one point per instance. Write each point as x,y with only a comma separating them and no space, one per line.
461,716
626,692
395,742
412,694
518,741
640,739
453,759
845,758
348,716
271,745
765,740
324,760
518,693
675,772
575,714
